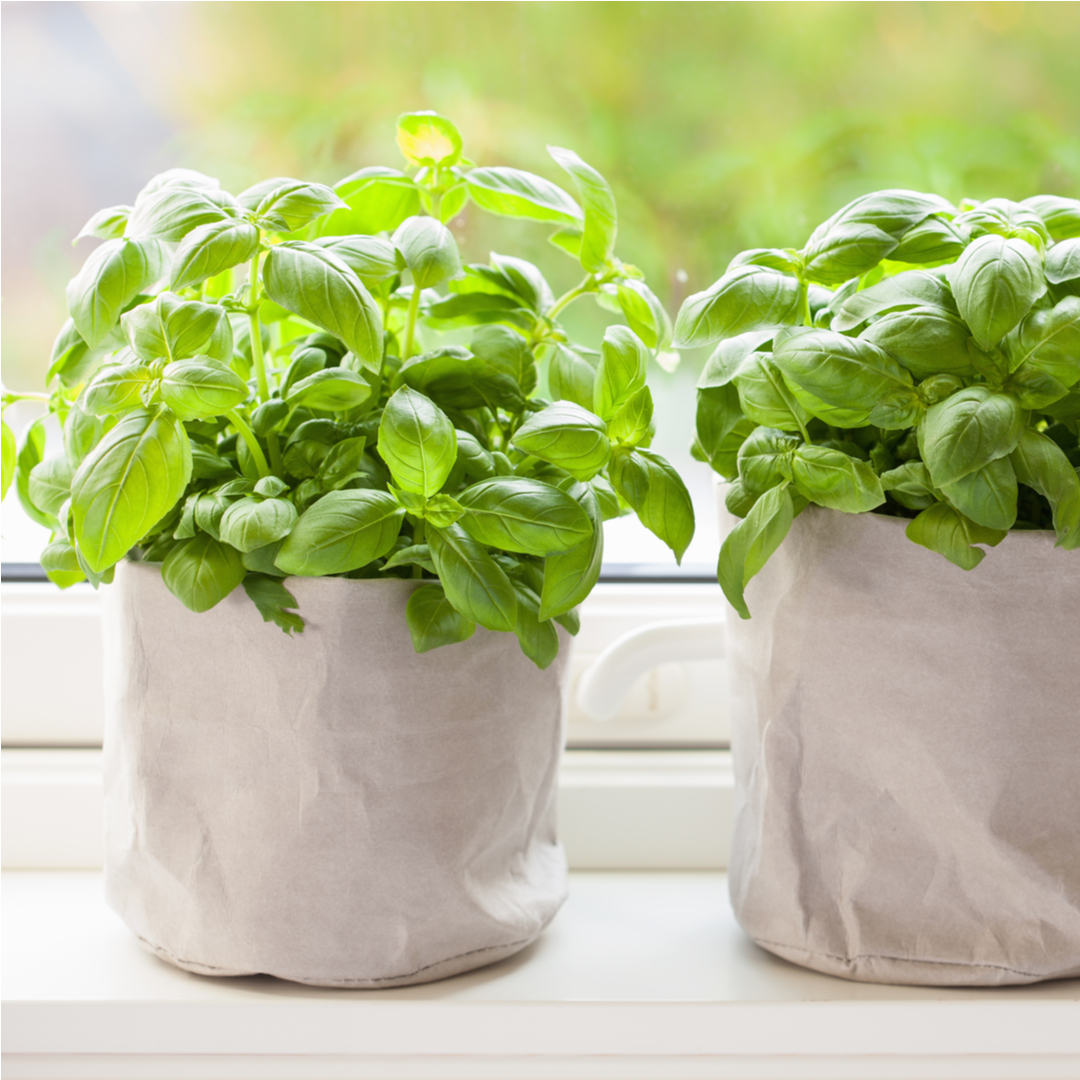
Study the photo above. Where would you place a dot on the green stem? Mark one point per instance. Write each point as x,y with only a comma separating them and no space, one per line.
564,301
11,396
804,303
252,443
259,360
410,321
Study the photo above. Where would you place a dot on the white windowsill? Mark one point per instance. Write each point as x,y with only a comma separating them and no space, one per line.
641,975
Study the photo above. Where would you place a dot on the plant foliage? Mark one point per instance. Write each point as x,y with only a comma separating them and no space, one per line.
299,380
914,359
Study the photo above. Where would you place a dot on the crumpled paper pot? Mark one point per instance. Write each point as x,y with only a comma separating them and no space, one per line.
907,753
329,808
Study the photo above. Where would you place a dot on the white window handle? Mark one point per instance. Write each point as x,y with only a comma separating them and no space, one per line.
604,684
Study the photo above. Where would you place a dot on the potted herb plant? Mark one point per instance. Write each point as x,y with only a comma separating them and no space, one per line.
905,715
297,406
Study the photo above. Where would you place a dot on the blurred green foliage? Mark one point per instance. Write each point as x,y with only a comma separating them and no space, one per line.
721,126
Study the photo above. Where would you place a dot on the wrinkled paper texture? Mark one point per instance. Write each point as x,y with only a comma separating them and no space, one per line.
329,808
907,753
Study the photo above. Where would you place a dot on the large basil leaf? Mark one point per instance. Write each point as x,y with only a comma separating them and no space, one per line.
986,496
847,373
765,397
170,213
212,248
332,389
995,282
765,457
947,531
968,430
621,371
1049,339
748,547
632,424
1060,215
113,275
50,484
252,523
934,240
127,483
82,432
174,329
343,531
199,388
372,258
316,285
417,441
745,298
201,572
912,288
601,219
429,250
116,388
539,639
378,200
831,478
1042,465
566,435
926,340
1063,262
107,224
570,577
513,193
644,313
286,205
571,377
528,516
433,621
474,583
658,495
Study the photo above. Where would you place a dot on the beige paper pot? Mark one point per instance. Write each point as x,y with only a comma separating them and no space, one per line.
329,808
907,752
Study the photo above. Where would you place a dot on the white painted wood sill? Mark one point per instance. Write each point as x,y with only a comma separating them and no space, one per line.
641,975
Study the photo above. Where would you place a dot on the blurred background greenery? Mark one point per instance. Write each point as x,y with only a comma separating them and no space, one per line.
720,126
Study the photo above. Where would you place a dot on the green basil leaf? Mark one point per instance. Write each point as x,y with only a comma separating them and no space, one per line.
31,454
10,453
252,523
412,555
82,432
107,224
453,202
273,601
61,563
926,340
568,239
986,496
523,515
621,371
967,431
371,258
910,485
433,621
285,205
175,329
127,483
571,377
934,240
764,459
910,289
570,577
944,529
1063,262
765,397
846,373
718,411
658,495
601,218
200,388
513,193
831,478
566,435
539,640
738,500
170,213
644,313
428,139
209,249
1036,389
181,178
474,583
316,285
1049,339
785,261
441,372
995,282
417,441
429,249
632,424
113,275
1042,465
749,546
116,388
865,231
1060,215
343,531
342,463
50,484
332,389
473,309
745,298
201,572
378,200
442,511
509,374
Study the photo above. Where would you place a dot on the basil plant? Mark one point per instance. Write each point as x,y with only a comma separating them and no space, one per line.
914,359
299,380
